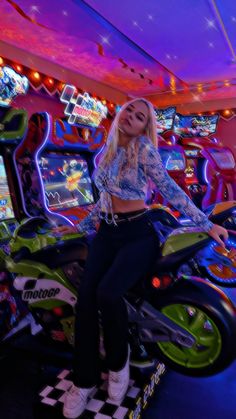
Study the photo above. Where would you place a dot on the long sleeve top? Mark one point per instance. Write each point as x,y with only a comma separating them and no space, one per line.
130,182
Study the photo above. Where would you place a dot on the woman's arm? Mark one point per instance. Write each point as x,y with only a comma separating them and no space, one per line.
170,190
89,223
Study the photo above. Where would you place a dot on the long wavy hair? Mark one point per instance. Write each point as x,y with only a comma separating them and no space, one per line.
150,131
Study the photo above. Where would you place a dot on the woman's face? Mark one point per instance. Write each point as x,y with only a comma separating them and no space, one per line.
133,119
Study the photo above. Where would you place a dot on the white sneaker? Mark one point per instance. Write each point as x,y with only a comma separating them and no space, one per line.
76,400
118,382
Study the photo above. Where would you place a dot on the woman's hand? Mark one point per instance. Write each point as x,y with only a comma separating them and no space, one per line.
218,233
63,230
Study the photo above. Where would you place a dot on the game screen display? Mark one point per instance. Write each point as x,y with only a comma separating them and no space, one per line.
6,210
66,181
192,152
191,171
194,125
164,119
224,158
11,85
172,159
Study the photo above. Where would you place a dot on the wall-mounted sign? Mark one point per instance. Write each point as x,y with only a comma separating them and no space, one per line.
11,85
82,108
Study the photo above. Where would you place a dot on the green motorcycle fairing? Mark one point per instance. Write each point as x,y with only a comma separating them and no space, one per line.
14,135
38,242
39,271
183,238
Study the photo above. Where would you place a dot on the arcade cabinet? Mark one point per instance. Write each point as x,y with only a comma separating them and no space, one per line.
174,161
195,180
220,172
211,168
67,163
172,155
13,125
56,160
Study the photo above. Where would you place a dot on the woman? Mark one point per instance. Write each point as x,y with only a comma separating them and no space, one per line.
123,249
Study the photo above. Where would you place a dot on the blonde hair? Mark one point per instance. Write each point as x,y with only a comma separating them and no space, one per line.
113,135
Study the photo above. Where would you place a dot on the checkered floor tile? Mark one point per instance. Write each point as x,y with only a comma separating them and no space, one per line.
99,405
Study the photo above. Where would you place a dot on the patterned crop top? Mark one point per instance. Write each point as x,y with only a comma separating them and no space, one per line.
130,182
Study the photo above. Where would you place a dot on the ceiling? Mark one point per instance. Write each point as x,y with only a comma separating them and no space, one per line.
136,47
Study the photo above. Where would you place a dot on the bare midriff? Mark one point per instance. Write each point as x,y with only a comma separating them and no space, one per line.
121,205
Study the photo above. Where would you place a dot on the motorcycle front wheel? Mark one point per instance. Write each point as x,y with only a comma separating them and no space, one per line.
209,321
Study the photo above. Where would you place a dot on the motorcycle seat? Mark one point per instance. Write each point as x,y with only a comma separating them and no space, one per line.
57,255
176,258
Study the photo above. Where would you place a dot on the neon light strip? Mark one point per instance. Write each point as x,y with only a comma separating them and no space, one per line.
49,127
39,173
205,172
96,156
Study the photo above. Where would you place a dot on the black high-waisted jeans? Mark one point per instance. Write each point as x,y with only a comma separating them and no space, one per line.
119,256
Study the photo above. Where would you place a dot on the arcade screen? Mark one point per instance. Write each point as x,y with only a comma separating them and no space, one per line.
6,210
194,125
191,171
66,181
164,119
224,158
172,159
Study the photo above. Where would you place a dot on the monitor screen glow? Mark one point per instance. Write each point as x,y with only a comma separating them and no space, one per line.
66,181
6,210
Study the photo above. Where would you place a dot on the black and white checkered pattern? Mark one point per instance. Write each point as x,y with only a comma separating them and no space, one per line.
141,387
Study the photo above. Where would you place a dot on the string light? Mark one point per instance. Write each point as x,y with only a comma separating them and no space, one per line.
19,68
36,75
41,80
199,88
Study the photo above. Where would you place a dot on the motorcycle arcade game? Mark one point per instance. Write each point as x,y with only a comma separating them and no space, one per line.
210,172
47,269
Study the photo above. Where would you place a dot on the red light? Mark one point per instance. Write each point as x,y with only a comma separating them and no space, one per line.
166,281
57,311
19,68
1,61
156,282
51,81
